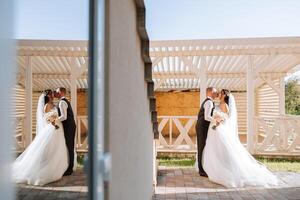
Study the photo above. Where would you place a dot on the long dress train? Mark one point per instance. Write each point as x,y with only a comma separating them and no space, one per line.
45,159
227,162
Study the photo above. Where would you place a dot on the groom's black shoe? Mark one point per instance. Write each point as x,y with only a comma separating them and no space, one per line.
203,174
67,173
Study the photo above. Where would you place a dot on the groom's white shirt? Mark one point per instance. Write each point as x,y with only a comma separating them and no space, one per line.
208,106
63,106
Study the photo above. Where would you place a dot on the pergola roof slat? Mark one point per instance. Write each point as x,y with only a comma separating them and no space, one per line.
227,59
172,60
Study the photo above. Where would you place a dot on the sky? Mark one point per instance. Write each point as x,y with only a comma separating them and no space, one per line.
51,19
166,19
205,19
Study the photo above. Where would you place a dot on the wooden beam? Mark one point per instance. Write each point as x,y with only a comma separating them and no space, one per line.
227,52
53,76
272,75
193,67
159,83
282,96
53,43
250,105
60,53
156,61
264,64
203,79
272,85
228,42
28,108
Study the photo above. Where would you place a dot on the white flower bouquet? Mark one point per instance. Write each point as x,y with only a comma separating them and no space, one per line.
218,118
51,117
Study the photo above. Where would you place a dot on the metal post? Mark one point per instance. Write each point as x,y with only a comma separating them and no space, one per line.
98,163
250,105
7,81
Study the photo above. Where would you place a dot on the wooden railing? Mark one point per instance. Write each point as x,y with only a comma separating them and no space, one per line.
278,135
184,133
18,123
81,140
82,134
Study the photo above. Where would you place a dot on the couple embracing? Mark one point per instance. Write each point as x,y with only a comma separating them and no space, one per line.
51,154
221,156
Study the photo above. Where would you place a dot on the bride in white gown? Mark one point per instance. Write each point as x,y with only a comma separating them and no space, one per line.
45,159
225,160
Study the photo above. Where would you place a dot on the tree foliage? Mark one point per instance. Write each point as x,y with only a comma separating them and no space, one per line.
292,96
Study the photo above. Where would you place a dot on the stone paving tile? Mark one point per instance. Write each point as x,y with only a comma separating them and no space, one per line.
72,187
185,183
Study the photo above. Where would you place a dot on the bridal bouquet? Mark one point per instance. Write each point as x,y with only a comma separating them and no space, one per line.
51,117
218,118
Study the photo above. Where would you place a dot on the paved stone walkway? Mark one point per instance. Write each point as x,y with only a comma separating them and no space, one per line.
69,187
185,183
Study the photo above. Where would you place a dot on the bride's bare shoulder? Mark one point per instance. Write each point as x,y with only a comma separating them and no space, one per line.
224,107
47,107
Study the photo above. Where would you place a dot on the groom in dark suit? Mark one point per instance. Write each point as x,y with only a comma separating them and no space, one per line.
66,116
203,122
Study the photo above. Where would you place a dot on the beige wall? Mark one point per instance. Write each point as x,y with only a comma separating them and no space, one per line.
177,103
187,104
130,127
82,102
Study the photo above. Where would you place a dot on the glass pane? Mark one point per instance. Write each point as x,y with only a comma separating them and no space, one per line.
7,77
96,98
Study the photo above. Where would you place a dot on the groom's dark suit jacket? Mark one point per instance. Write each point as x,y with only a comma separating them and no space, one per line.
201,130
201,119
70,121
69,126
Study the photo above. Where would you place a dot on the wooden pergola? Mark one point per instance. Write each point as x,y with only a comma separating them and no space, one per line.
48,65
235,64
244,65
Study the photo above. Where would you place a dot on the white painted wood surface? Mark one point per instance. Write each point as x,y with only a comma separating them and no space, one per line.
203,79
250,104
176,64
28,113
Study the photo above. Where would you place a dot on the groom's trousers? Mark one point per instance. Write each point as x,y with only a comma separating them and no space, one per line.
70,140
201,131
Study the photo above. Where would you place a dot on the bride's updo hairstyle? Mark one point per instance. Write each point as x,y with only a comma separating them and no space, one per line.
226,95
47,93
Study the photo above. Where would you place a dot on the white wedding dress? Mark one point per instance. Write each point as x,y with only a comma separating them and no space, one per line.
46,158
227,162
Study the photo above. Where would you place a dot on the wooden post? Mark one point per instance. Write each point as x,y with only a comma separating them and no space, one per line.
250,105
282,96
28,111
203,79
76,71
283,133
73,91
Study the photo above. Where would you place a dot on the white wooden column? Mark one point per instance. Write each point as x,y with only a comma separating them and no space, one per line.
203,79
73,90
76,71
250,105
28,111
283,132
281,96
73,85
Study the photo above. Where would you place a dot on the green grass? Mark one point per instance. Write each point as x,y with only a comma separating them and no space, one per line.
80,160
281,164
273,164
176,162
